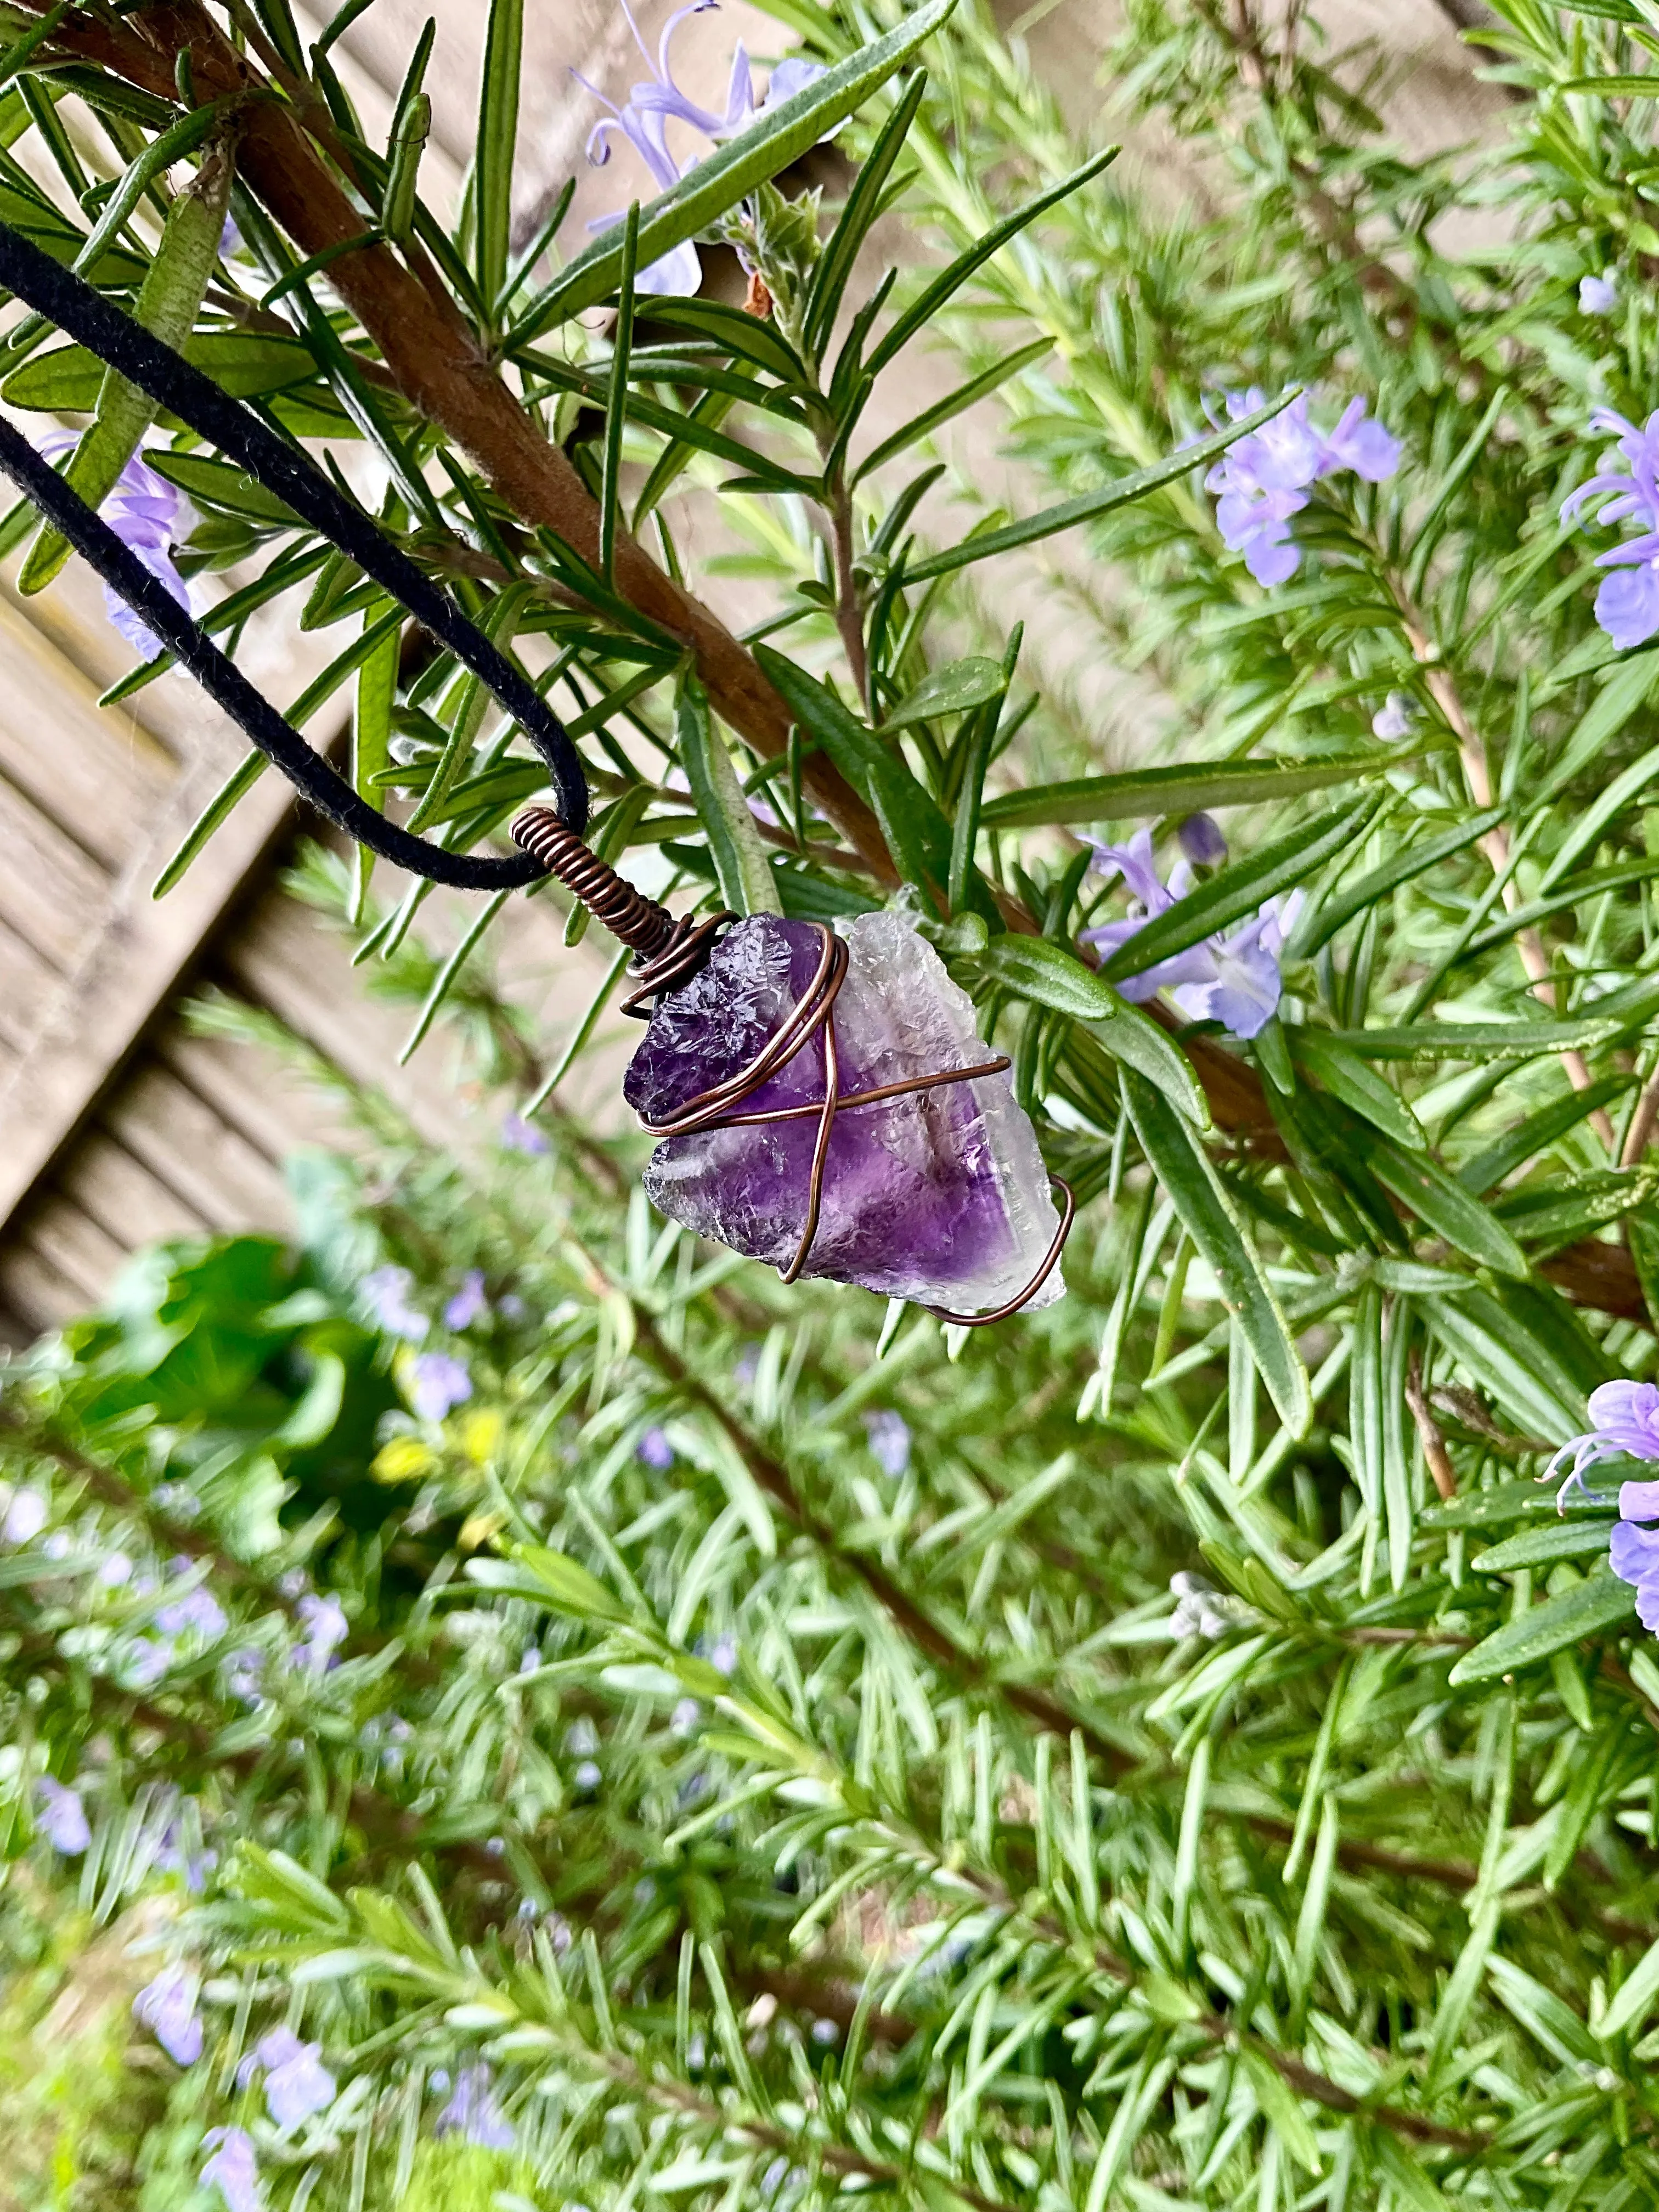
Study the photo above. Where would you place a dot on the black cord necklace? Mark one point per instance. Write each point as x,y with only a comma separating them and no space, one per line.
85,315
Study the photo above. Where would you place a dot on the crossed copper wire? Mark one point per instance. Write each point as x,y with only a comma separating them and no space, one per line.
669,952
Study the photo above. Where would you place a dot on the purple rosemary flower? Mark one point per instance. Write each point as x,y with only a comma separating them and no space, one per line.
473,2112
232,2170
198,1609
116,1570
1263,480
1625,1417
1233,980
1597,295
1202,841
61,1817
297,2083
144,512
658,101
387,1292
889,1441
438,1383
1624,1424
519,1135
655,1450
148,1660
26,1516
323,1625
468,1302
166,2007
1627,605
243,1672
1396,718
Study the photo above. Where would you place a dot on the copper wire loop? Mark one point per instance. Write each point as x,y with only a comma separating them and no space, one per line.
669,952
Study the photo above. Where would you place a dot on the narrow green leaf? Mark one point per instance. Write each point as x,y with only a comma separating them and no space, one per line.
616,412
933,296
1122,491
235,787
1047,974
1599,1602
1356,1086
953,404
1585,833
498,133
1537,1134
1320,922
1633,1999
569,1586
742,866
371,741
840,252
1149,792
917,833
1440,1201
1481,1041
1537,1547
1210,1220
168,303
953,690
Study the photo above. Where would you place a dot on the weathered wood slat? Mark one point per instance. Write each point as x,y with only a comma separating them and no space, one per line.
96,774
209,1164
303,974
83,1254
28,987
35,1294
52,895
138,963
273,1111
106,1182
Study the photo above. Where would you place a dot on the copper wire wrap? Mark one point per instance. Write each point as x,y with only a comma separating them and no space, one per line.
666,952
669,952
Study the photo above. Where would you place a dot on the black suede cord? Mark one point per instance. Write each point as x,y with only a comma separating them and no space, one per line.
82,312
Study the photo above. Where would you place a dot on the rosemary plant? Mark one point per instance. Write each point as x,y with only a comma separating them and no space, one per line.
507,1705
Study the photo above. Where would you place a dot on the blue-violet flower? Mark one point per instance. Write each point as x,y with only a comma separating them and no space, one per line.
1263,480
473,2112
297,2083
468,1302
166,2007
143,512
653,104
233,2170
62,1818
1627,605
1597,295
437,1383
1233,980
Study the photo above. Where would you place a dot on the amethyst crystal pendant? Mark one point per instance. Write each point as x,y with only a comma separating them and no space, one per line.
937,1194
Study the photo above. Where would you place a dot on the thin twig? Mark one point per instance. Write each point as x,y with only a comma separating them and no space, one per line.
1428,1430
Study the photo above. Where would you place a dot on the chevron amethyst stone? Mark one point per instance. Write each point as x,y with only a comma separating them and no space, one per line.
941,1196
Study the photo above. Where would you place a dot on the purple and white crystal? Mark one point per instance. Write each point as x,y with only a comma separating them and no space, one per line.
940,1195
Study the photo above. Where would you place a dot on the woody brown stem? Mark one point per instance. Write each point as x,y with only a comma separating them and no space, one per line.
1428,1430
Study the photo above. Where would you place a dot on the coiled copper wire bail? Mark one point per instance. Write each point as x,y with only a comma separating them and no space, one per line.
666,952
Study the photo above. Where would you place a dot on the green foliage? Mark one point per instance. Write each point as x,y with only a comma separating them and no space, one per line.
1173,1753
